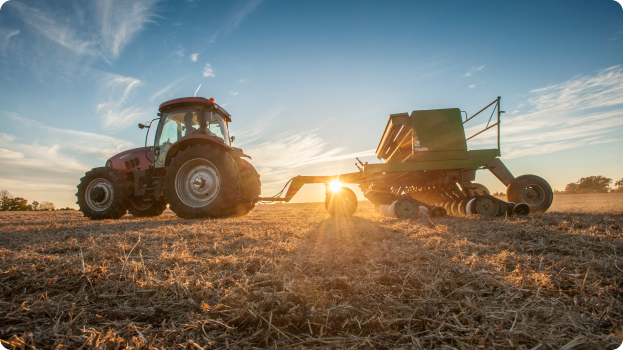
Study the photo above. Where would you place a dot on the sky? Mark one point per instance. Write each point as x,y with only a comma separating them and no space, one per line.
309,84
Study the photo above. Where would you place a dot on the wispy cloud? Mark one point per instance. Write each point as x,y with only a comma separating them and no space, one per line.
117,22
54,29
289,155
472,71
194,57
48,162
282,156
114,110
120,21
471,86
579,112
234,93
5,37
167,88
437,72
254,131
243,12
208,71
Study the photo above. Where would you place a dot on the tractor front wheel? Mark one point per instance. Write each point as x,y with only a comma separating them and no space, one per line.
143,209
201,181
532,190
103,194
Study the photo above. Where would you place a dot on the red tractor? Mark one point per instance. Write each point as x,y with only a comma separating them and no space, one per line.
192,167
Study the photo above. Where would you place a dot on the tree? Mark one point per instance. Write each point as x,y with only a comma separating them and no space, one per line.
45,205
17,204
35,205
591,184
5,196
618,186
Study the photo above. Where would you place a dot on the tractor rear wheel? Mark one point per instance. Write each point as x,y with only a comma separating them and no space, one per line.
201,181
532,190
143,209
103,194
250,188
341,203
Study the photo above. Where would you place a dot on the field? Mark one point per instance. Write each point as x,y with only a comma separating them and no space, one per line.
290,276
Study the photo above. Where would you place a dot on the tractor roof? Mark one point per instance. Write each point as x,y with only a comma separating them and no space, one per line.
193,101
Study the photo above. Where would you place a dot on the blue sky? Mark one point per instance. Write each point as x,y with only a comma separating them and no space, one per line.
310,84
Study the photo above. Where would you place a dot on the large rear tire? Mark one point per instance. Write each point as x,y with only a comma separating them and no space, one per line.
530,189
341,203
103,194
250,188
201,182
143,209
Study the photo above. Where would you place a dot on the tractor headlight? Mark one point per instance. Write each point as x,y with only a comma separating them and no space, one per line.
108,164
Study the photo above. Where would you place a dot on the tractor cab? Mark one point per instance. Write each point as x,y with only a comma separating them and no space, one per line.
186,119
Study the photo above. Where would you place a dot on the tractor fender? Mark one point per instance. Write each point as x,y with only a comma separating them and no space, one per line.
202,139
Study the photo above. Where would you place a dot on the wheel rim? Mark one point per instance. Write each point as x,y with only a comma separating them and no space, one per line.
140,204
486,206
406,208
99,194
533,194
197,183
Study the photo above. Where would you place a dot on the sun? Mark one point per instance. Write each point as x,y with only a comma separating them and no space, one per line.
335,186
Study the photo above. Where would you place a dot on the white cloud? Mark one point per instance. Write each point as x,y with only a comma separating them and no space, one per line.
5,37
278,157
601,90
109,27
55,29
288,155
471,86
208,71
194,57
243,80
436,72
167,88
576,113
6,138
95,146
120,21
47,162
114,111
6,154
472,71
234,93
240,15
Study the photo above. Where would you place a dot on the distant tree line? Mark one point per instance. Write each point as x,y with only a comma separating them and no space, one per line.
593,184
10,203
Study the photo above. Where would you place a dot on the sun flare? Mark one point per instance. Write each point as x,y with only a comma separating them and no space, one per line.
335,186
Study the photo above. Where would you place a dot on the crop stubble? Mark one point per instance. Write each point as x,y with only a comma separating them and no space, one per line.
291,276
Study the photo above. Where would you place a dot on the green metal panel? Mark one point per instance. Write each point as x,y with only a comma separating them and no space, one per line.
475,159
439,129
423,156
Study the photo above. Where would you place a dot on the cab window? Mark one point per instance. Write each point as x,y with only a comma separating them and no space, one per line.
216,126
177,124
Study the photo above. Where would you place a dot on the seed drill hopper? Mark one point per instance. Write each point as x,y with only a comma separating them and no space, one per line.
427,167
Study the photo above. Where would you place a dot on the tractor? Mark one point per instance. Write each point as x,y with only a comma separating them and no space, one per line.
192,167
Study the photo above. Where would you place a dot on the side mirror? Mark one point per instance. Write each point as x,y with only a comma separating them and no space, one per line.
231,139
141,126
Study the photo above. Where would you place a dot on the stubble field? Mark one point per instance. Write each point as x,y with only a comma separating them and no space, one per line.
290,276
